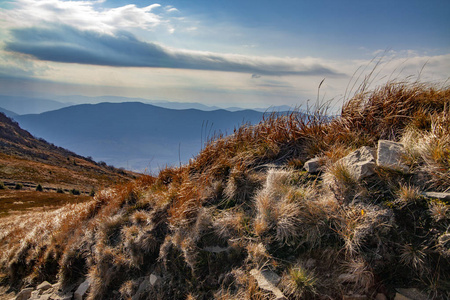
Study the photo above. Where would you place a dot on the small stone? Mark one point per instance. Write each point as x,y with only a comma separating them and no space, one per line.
436,195
143,287
313,165
34,295
410,293
216,249
310,263
154,279
24,294
380,296
82,289
389,155
44,286
268,280
346,278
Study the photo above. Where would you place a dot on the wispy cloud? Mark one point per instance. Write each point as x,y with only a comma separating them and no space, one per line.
70,45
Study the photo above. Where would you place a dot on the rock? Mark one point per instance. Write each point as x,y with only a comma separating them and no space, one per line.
380,296
216,249
389,155
436,195
268,280
313,165
360,162
143,287
346,278
355,297
61,297
82,289
410,294
154,279
24,294
310,263
34,295
44,286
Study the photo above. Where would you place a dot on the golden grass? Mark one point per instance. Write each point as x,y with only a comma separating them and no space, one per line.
245,198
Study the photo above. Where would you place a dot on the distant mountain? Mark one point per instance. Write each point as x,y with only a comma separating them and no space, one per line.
280,108
8,113
78,99
28,105
23,158
134,135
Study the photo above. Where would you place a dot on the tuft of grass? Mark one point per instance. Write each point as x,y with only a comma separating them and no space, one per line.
299,283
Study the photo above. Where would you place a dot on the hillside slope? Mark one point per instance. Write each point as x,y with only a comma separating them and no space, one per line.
25,159
158,136
245,220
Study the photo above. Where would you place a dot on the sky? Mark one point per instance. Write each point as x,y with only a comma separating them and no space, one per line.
225,53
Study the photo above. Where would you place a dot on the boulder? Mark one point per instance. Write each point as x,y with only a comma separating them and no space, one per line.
360,162
313,165
82,289
390,155
268,280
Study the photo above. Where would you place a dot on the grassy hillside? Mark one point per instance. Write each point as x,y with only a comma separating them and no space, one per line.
245,209
25,158
27,162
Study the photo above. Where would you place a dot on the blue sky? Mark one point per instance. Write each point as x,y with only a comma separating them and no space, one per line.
225,53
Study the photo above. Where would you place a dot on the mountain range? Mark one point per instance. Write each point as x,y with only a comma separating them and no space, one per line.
134,135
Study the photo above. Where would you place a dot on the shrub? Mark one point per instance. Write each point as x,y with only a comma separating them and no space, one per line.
18,186
39,188
60,191
2,185
75,192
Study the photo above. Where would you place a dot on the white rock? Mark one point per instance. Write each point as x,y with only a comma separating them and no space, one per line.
268,280
154,279
360,162
82,289
436,195
390,154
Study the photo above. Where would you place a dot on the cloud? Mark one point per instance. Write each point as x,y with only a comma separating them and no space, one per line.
83,15
71,45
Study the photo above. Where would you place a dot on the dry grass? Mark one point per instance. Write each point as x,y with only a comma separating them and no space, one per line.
244,203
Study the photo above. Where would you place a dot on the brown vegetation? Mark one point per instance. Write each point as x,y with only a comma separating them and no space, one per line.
244,203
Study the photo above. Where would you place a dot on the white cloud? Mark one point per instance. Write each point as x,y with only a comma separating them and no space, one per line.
83,15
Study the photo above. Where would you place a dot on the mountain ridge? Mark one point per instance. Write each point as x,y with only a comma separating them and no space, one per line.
105,131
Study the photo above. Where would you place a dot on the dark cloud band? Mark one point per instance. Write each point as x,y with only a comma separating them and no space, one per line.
70,45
